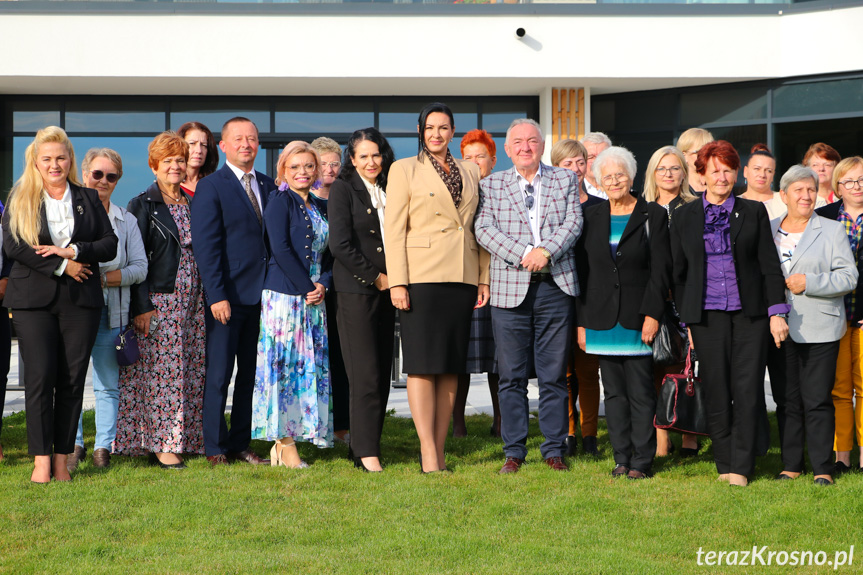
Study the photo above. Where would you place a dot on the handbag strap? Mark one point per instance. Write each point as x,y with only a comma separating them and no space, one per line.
688,369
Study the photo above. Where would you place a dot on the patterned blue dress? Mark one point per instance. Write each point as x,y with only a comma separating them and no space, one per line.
292,375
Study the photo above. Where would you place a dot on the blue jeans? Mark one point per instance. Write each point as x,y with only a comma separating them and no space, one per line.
106,379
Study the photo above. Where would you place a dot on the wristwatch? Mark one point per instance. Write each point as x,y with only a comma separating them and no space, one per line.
545,252
782,315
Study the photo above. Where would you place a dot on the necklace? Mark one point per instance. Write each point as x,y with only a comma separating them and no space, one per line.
177,200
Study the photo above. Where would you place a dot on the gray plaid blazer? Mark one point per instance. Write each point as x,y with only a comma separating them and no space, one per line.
502,227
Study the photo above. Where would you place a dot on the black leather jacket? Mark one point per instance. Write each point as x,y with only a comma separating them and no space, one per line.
162,244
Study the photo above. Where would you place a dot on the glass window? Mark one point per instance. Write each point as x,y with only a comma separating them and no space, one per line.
832,97
794,138
214,114
602,115
400,116
343,117
109,116
33,116
498,115
739,104
649,112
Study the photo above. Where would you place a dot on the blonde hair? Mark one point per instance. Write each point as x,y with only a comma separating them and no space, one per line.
651,194
292,149
564,149
25,198
842,168
326,145
693,138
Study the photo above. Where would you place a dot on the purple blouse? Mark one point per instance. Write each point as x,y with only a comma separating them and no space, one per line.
720,277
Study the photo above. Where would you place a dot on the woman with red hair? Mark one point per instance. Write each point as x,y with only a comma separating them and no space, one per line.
730,291
477,146
823,158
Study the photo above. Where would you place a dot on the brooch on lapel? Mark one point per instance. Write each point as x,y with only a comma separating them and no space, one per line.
736,214
80,209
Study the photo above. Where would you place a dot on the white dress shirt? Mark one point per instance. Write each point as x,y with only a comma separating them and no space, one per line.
593,191
379,201
533,213
61,222
254,182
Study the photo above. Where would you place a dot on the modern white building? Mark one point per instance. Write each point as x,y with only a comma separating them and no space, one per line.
117,73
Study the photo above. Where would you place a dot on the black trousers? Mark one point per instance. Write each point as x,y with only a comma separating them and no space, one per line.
55,343
340,389
732,349
226,343
367,324
630,406
808,413
5,351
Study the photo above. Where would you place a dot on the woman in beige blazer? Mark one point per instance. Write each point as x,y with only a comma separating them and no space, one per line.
437,273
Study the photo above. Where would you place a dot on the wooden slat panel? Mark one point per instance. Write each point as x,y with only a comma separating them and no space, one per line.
574,112
555,115
581,118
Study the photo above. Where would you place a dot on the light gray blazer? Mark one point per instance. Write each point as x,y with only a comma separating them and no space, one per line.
824,256
131,261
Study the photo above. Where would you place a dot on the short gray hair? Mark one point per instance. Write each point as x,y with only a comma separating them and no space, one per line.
519,122
596,138
615,154
796,174
106,153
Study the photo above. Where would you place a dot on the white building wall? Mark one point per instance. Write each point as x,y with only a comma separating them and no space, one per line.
95,53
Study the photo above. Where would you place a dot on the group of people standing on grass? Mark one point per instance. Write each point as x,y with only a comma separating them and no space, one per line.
559,272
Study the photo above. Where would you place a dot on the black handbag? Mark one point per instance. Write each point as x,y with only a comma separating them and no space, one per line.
126,342
680,405
671,342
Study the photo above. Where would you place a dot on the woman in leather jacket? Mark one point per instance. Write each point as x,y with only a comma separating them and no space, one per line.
161,396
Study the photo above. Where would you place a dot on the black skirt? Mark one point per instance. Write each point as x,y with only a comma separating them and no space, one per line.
436,330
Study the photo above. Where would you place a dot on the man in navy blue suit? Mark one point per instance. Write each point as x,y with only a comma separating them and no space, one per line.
230,249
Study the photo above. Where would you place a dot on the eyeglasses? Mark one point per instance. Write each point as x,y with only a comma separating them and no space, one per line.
333,165
528,199
99,174
673,170
849,184
305,167
614,178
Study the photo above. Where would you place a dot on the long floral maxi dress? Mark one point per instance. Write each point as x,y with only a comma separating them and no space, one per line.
292,375
162,394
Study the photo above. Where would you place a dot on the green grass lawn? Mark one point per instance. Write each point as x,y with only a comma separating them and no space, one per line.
331,518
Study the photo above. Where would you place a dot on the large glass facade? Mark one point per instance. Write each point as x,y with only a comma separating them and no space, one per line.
127,125
788,115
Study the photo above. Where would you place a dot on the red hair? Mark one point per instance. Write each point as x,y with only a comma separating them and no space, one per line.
823,151
722,151
479,137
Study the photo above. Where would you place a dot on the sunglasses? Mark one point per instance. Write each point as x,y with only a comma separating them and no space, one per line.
99,174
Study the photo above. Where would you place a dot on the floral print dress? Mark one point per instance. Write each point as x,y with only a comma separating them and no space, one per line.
162,394
292,376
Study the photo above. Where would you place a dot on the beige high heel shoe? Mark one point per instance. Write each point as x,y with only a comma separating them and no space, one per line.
277,455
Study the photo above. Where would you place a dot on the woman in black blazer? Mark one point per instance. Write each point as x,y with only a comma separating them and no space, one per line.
727,281
624,268
57,233
366,315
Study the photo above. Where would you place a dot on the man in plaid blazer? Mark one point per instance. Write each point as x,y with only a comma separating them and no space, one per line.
528,219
